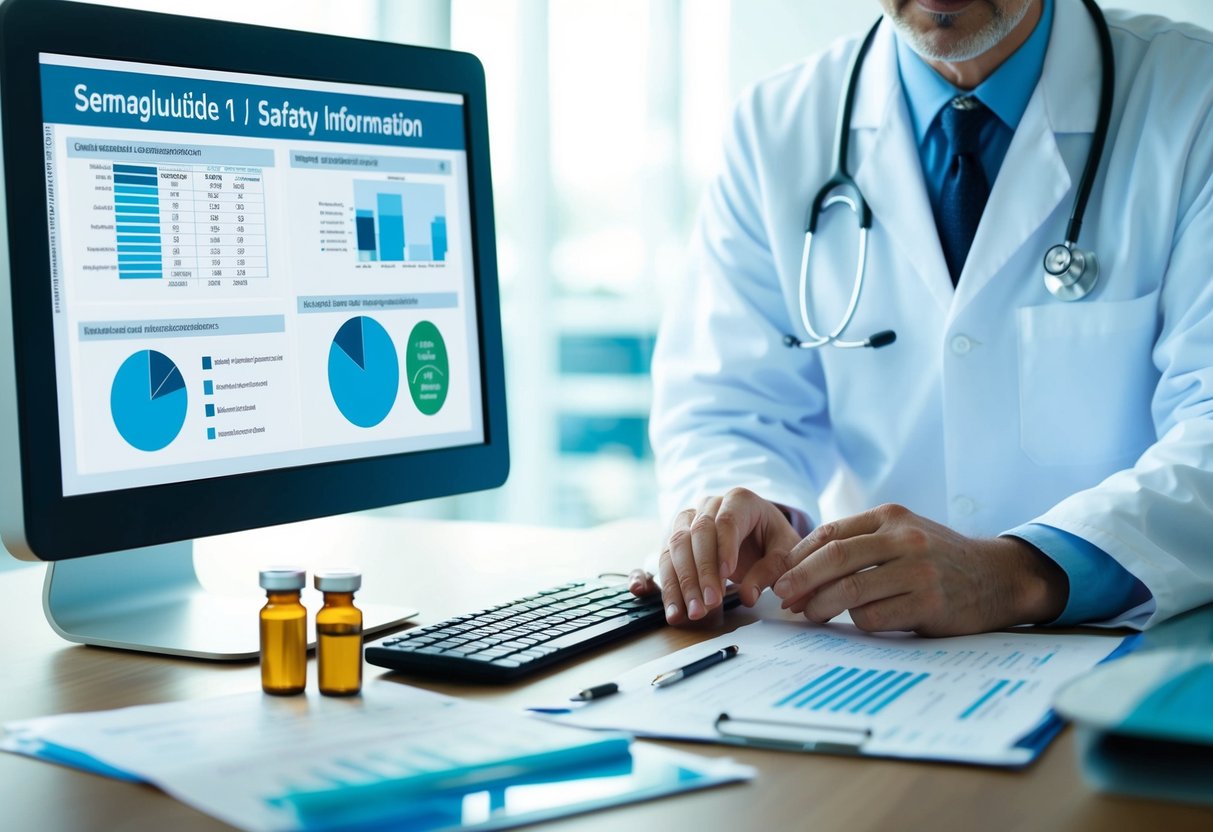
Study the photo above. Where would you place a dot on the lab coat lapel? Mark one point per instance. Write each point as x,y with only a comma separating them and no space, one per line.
1034,179
890,171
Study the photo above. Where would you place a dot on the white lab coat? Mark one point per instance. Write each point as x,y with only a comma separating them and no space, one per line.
998,404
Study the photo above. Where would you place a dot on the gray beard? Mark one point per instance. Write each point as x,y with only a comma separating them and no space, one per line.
967,48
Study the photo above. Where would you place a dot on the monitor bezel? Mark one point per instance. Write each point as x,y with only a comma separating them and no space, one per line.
50,526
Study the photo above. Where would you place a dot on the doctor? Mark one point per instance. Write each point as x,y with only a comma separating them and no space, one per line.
1013,456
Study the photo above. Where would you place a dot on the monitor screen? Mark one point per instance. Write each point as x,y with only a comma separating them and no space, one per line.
250,278
253,272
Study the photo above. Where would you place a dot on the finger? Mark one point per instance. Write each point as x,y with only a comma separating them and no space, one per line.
671,595
836,559
739,514
641,583
682,520
866,522
898,613
686,571
797,606
764,573
855,590
703,549
678,548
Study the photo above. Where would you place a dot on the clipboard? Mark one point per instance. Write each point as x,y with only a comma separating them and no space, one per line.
982,700
820,738
774,735
792,736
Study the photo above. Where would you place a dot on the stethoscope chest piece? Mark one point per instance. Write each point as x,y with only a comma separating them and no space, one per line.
1070,272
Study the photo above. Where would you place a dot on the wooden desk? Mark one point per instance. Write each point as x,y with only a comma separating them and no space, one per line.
445,569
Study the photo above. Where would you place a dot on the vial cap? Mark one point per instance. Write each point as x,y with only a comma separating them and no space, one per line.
283,577
338,580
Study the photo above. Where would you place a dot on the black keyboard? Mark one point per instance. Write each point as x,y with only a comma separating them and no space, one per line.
520,637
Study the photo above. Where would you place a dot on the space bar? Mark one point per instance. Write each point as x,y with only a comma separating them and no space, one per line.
589,633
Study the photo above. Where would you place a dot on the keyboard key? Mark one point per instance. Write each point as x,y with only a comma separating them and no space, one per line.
603,628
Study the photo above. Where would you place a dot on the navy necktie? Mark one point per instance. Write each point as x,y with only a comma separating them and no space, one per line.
965,189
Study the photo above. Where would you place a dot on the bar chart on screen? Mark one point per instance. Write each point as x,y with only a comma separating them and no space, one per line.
400,221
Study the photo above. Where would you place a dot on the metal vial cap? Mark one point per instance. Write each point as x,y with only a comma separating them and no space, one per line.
283,577
338,580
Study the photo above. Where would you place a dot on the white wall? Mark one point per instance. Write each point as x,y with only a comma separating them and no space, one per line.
768,34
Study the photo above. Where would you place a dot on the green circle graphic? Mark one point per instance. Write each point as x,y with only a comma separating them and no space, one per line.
428,368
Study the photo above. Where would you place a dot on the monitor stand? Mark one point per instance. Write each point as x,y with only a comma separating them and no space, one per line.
150,600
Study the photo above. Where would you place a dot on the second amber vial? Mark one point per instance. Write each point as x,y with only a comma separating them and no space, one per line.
339,634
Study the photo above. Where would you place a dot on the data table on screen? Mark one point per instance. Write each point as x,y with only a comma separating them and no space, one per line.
189,222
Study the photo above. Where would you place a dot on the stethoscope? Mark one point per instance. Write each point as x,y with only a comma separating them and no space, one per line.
1070,272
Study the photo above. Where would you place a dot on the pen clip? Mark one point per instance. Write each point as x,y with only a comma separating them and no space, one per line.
793,736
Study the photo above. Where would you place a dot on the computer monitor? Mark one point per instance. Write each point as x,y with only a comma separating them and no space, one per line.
250,279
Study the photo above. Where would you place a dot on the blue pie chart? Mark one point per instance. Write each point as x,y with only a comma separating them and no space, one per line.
148,400
364,372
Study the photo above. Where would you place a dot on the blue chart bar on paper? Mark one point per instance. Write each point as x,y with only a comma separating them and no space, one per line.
137,222
999,690
853,690
399,221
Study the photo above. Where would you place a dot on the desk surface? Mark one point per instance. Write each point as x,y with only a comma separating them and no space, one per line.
445,569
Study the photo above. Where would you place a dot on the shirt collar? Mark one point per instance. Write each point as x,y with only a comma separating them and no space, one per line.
1006,92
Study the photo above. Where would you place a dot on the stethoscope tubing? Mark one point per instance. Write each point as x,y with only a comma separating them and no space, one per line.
1061,285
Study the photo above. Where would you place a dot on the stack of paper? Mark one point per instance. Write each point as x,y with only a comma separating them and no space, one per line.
397,755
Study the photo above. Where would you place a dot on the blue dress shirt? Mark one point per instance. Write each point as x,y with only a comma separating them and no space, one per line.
1100,588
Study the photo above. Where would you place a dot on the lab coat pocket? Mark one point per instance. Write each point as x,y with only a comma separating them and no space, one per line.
1086,379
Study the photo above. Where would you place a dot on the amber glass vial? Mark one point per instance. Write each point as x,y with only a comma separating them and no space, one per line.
339,634
283,632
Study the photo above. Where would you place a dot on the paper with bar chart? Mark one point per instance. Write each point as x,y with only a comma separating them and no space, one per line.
970,699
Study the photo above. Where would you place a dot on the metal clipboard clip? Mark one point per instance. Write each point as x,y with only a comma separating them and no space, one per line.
792,736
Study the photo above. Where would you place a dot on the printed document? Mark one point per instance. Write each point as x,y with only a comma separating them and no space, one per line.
395,756
971,699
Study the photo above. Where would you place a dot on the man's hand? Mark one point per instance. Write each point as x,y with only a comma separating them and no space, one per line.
726,537
895,570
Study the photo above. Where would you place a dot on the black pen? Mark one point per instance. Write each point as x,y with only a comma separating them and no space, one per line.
596,692
721,655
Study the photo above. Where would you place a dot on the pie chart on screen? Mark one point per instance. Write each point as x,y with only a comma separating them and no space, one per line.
364,371
148,400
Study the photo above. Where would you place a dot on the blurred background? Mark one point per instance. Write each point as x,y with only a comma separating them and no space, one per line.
605,118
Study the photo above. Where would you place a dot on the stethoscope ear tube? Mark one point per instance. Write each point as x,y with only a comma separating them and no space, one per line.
841,189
